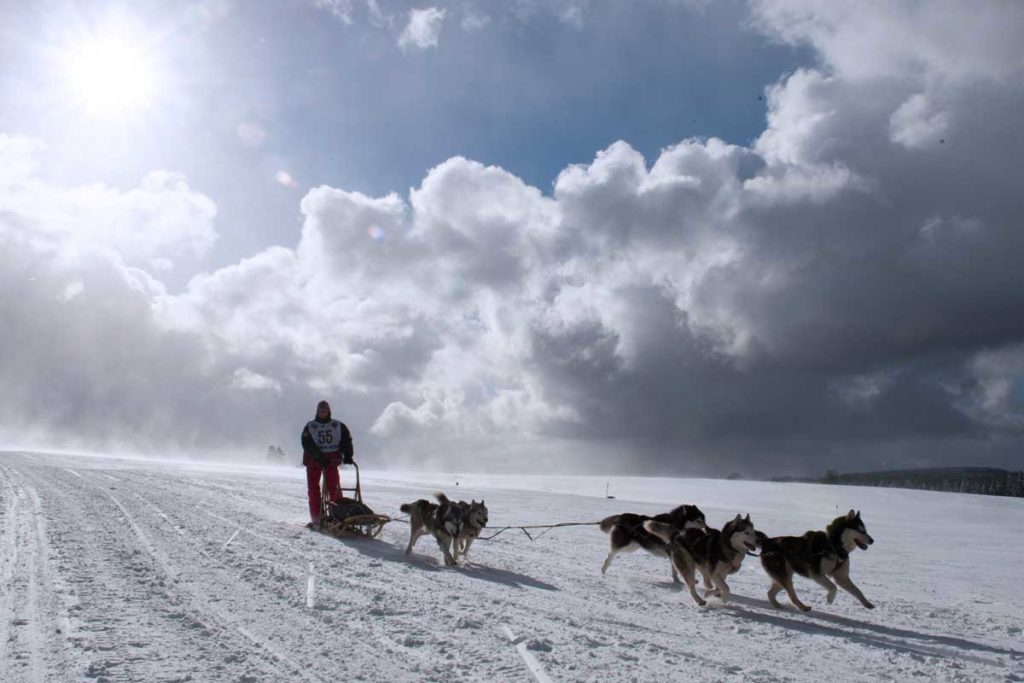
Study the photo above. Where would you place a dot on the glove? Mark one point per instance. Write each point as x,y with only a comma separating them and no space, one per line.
346,459
317,454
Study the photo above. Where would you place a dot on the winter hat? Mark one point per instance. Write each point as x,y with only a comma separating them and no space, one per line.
323,404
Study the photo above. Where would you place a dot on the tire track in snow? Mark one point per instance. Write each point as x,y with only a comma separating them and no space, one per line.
374,614
145,617
204,607
36,600
57,596
33,615
10,562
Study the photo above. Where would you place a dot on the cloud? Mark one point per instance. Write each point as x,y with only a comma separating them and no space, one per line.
244,378
942,40
423,30
841,292
917,124
163,216
473,19
339,9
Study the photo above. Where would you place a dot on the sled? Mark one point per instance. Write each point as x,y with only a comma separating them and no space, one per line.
349,516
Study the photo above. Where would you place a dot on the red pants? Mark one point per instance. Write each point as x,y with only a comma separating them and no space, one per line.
313,471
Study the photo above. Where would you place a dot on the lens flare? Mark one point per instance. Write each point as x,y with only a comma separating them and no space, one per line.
286,179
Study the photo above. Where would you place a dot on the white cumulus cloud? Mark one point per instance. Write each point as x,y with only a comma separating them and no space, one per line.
423,30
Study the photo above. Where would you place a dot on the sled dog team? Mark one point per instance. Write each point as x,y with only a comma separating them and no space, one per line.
691,545
683,536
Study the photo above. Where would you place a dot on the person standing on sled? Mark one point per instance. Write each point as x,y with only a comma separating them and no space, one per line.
326,443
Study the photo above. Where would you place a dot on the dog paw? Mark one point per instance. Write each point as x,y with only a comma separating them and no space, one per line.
830,598
869,605
803,608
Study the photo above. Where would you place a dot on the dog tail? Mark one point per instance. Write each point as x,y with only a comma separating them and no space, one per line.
441,498
608,522
660,529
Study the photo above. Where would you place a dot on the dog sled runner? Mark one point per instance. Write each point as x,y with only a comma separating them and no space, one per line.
349,516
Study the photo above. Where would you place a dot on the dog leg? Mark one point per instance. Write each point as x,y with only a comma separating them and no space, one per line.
823,581
682,563
842,577
443,545
788,585
675,575
455,550
608,560
465,548
709,584
772,592
691,583
414,535
722,589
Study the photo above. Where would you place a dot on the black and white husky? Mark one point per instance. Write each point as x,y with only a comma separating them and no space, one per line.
474,519
817,555
443,520
716,554
626,532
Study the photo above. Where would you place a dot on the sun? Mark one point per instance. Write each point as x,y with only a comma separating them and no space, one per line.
110,75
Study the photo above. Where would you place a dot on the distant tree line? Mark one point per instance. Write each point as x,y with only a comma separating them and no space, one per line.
985,480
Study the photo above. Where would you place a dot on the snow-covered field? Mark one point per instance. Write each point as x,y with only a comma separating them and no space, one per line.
147,571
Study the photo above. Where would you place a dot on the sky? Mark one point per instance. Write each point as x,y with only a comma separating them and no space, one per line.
676,236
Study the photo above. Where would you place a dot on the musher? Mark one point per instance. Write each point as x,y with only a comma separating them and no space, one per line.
326,443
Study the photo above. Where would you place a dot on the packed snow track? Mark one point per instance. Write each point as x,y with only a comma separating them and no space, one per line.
131,570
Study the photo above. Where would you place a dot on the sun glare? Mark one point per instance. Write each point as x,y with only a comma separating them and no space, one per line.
111,76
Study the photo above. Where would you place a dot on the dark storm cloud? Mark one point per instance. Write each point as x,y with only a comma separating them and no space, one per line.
843,292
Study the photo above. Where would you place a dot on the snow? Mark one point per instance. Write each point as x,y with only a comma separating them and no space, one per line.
117,569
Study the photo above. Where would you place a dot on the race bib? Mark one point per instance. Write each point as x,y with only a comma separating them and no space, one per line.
326,435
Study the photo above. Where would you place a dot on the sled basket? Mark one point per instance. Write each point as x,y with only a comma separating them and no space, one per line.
349,516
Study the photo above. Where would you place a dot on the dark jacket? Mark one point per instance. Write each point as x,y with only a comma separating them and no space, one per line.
312,453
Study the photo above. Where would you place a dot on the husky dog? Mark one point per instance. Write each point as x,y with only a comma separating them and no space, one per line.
626,532
443,520
818,555
474,519
715,553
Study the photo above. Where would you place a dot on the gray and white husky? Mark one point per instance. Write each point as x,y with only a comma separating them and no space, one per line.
817,555
443,520
474,519
716,554
626,532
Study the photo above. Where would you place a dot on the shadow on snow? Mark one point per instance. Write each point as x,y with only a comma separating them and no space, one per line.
867,633
383,551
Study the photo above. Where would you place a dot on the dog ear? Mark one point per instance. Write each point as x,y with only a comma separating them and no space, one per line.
738,518
851,514
747,518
